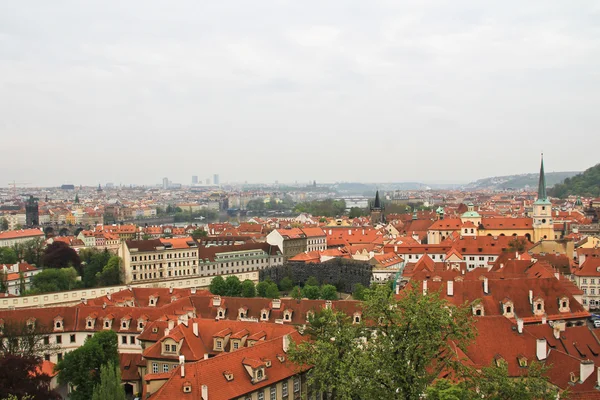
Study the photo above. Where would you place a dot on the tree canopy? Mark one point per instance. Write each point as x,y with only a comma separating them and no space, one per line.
324,208
54,280
110,386
61,255
585,184
20,376
82,367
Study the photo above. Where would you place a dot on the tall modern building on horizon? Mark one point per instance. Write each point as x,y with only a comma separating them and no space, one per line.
194,179
165,183
216,179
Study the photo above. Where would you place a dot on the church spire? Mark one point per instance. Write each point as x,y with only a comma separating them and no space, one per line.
542,183
377,203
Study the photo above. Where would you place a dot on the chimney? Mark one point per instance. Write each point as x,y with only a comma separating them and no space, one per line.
544,319
519,325
109,296
286,343
216,301
450,288
171,290
531,297
586,368
501,265
206,356
276,303
556,331
598,377
193,290
557,275
84,300
171,324
541,350
395,249
425,286
397,288
182,364
486,287
204,392
195,328
349,231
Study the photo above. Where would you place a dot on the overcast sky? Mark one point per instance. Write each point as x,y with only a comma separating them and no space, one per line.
373,91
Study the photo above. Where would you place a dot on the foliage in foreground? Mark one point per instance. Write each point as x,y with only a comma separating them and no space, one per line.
399,348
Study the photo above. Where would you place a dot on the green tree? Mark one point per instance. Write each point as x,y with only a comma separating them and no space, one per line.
3,281
22,287
3,224
233,286
409,346
356,212
217,286
296,293
81,367
61,255
8,256
272,291
286,284
516,244
111,273
93,262
248,288
328,292
54,280
443,389
359,292
311,281
261,288
199,233
110,386
495,383
311,292
32,251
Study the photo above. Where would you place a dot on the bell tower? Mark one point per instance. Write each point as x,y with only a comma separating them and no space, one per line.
543,227
377,209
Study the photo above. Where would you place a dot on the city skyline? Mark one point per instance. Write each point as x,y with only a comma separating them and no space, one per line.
434,91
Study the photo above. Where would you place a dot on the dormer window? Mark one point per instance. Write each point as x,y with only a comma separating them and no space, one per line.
187,387
260,374
58,324
219,344
538,306
287,315
522,361
31,324
356,318
242,312
228,375
264,314
478,310
140,325
499,361
221,313
563,304
267,363
508,308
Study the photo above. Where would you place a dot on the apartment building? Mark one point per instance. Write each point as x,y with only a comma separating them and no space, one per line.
231,259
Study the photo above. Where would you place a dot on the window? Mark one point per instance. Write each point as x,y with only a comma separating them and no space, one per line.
592,291
59,356
165,367
593,281
273,393
46,339
219,344
261,395
58,339
72,338
155,368
284,389
259,374
236,345
124,339
585,280
539,306
296,385
131,339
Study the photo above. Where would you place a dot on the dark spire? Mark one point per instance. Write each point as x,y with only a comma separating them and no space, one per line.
542,183
377,203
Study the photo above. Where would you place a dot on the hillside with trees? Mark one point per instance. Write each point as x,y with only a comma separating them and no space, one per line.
586,184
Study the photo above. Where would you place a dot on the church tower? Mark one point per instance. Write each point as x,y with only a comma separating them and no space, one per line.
543,227
377,209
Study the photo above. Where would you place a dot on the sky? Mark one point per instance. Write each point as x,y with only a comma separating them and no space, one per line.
371,91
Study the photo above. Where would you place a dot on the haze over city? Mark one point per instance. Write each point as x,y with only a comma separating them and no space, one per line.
130,92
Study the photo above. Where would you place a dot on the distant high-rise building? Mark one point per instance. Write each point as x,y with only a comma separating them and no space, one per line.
194,179
216,179
208,181
32,212
165,184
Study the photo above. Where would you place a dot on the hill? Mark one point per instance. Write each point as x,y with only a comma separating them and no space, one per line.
519,181
586,184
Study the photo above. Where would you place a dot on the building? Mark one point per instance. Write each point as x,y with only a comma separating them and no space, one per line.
32,212
194,179
10,238
233,259
587,278
18,275
377,211
159,259
291,241
216,179
165,183
543,227
316,239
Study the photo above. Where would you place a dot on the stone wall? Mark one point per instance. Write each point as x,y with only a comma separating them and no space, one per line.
342,273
